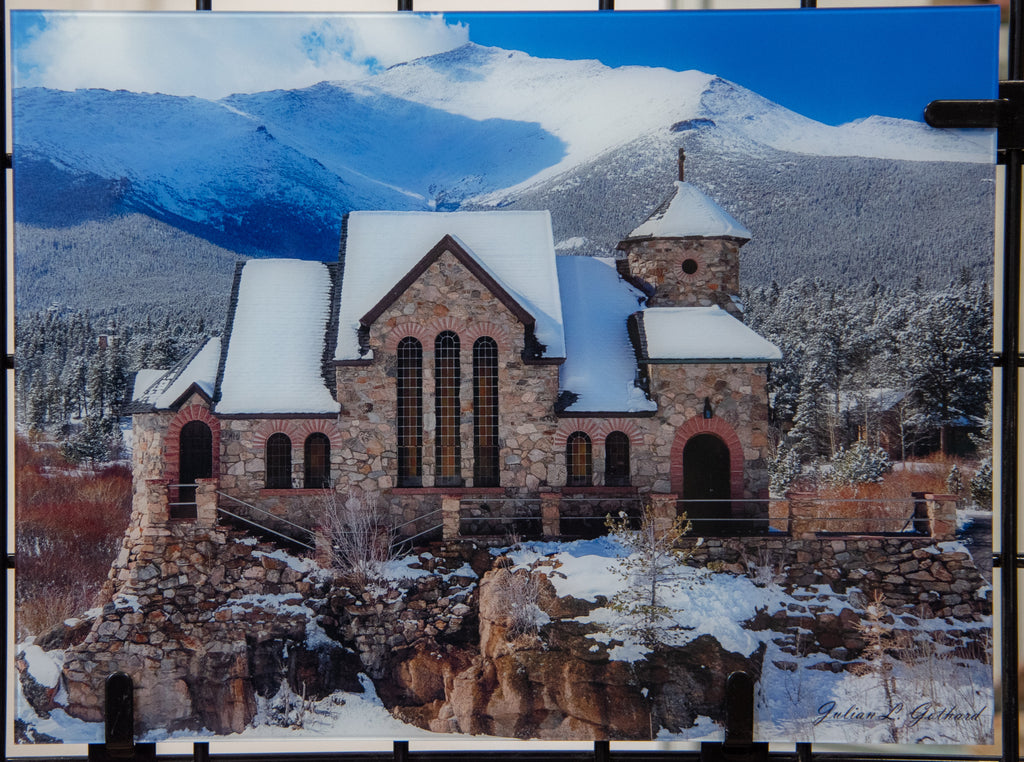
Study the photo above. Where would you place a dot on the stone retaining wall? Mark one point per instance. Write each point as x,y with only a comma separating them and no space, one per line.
917,575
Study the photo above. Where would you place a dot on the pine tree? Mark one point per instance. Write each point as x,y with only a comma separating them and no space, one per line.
651,574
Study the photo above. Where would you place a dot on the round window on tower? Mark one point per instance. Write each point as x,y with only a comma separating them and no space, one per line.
690,266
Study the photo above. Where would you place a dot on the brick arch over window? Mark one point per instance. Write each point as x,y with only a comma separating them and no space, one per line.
329,429
442,324
408,328
297,430
475,331
721,429
274,426
598,429
592,427
172,440
626,426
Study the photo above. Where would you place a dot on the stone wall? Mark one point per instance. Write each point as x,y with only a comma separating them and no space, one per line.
739,403
447,297
187,605
917,575
659,262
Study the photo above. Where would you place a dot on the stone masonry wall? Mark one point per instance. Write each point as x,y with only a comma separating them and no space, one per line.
244,466
446,297
917,575
739,400
187,602
659,263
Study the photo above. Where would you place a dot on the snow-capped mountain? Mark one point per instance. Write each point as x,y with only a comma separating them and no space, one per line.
272,173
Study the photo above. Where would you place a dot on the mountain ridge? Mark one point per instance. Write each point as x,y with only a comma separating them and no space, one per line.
273,173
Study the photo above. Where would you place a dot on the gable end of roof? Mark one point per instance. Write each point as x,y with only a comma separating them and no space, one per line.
449,244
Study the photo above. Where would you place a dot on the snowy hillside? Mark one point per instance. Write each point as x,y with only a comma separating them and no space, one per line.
273,173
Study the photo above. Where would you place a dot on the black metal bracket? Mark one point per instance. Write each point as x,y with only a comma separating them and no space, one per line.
119,725
738,745
1005,114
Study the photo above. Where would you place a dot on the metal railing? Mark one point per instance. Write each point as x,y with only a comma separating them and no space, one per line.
309,543
177,508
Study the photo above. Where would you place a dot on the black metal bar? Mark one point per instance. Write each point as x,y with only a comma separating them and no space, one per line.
808,3
204,5
606,5
965,113
200,752
738,745
405,5
8,163
400,751
602,751
1010,376
1010,372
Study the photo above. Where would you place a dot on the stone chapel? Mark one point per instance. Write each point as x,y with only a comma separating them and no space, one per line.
455,356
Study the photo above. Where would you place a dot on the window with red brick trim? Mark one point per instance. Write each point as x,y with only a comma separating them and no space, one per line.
579,460
410,412
447,409
485,412
279,461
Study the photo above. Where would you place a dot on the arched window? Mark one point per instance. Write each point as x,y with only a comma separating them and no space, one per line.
279,461
485,412
579,460
195,462
410,412
447,379
317,452
616,460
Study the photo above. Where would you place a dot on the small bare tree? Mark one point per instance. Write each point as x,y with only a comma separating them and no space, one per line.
360,536
518,592
651,572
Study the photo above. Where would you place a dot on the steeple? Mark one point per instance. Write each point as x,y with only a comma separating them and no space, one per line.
686,253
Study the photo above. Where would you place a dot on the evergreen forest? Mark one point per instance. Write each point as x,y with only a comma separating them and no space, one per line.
900,371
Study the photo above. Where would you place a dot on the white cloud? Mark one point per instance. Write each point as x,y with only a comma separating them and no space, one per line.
215,54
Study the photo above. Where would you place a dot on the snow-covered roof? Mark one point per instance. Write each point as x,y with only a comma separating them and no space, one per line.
878,399
144,378
688,212
702,334
161,389
515,248
600,364
275,352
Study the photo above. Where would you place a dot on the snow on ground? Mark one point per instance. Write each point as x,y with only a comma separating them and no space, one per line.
935,695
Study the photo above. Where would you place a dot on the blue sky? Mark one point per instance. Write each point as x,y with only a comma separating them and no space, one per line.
833,65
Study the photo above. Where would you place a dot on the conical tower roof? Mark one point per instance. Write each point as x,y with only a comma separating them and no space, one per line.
689,213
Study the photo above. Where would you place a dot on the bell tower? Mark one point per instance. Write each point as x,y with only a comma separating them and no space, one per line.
686,253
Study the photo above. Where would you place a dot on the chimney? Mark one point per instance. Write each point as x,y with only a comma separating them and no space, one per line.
682,160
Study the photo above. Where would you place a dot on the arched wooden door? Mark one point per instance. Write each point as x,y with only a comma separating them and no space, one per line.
706,483
196,462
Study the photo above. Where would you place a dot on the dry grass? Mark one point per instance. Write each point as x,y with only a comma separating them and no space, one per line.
69,524
885,506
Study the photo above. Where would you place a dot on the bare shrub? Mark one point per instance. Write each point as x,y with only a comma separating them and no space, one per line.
764,569
360,535
516,597
69,526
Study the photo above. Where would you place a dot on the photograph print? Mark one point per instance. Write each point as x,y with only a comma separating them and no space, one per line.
503,376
